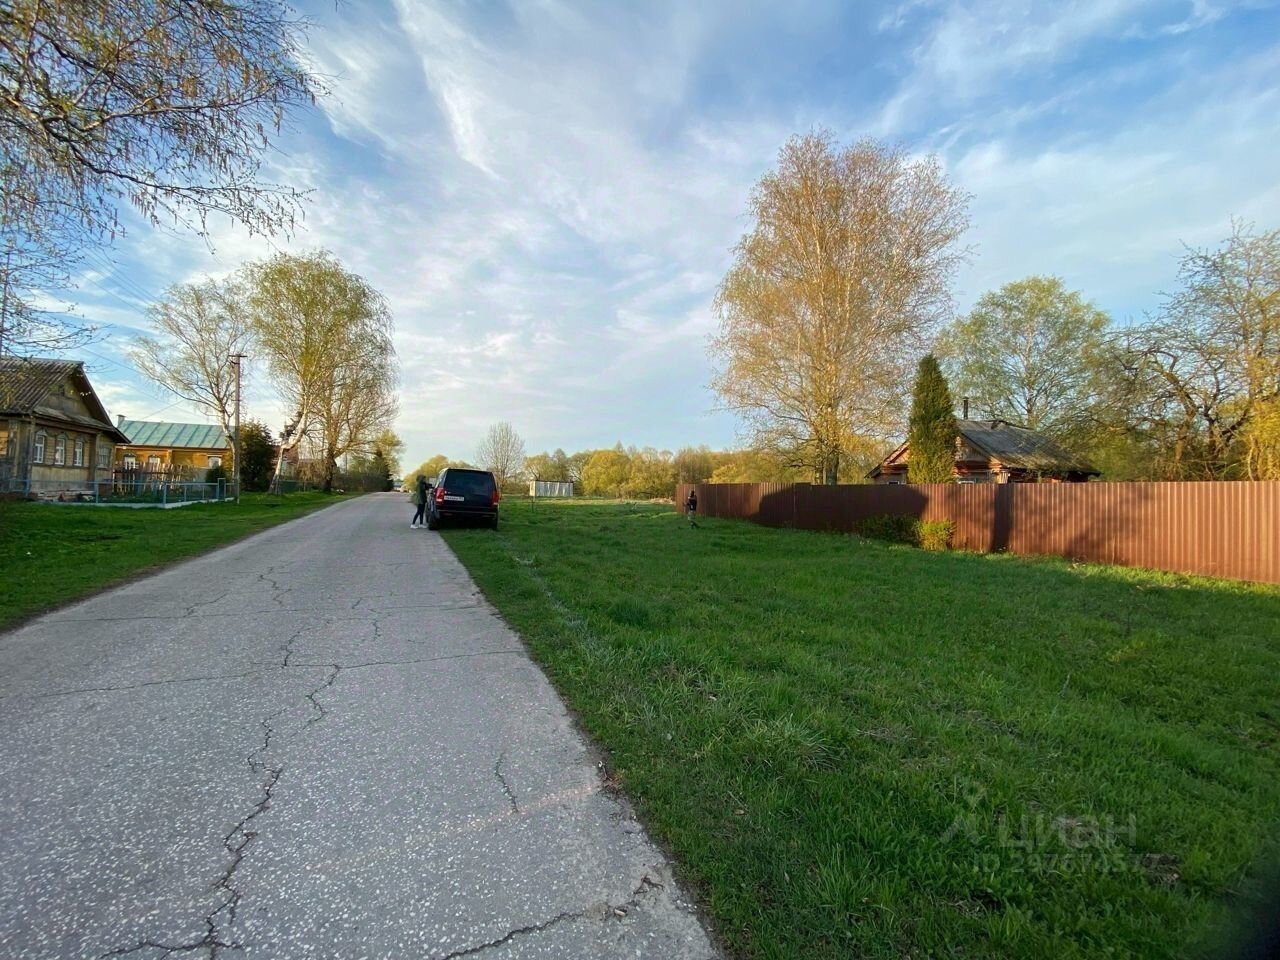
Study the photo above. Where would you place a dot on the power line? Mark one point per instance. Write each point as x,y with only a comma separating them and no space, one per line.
98,258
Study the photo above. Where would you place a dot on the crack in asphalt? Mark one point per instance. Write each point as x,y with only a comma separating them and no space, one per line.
242,835
314,695
506,787
509,936
150,683
287,647
289,663
394,663
277,591
191,610
602,912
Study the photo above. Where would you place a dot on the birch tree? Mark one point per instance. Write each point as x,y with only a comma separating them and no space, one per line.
199,328
326,335
834,294
165,107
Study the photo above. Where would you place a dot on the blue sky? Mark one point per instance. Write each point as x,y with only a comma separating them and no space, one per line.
548,193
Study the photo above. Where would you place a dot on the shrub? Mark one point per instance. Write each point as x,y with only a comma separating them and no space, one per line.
215,474
934,534
929,534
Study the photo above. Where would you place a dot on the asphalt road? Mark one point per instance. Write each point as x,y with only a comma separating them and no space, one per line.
320,742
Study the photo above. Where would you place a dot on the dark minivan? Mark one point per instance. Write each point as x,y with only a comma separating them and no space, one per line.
462,494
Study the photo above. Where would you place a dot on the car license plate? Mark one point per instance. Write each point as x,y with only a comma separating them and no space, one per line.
449,497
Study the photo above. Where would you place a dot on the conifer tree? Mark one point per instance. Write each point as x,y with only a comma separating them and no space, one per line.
932,433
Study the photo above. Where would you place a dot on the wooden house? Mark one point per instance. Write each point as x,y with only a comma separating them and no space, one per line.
56,438
996,451
180,450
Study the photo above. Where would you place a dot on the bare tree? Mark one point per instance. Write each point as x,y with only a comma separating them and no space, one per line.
326,334
167,106
200,327
501,452
1201,373
834,294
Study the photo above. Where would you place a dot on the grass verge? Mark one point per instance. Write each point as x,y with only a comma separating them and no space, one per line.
51,554
859,749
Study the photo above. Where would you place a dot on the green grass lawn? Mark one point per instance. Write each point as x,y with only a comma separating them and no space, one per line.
862,750
53,553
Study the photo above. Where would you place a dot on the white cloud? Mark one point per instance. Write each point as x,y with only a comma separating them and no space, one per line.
547,200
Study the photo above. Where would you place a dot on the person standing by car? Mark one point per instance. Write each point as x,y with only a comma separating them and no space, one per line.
421,491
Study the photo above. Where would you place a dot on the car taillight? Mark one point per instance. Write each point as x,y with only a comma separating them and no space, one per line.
439,494
496,496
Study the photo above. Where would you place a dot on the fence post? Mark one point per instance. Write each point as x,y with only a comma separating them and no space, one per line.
164,493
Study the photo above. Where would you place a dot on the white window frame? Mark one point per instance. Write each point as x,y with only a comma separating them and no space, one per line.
214,461
60,450
104,456
42,441
153,461
77,452
129,461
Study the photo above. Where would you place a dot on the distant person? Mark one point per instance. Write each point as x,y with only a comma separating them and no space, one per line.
421,490
691,507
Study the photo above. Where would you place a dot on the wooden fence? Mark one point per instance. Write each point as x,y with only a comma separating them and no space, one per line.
1218,529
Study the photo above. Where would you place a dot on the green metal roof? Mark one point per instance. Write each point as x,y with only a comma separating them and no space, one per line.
158,433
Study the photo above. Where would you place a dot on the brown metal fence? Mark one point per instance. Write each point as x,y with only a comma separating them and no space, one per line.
1218,529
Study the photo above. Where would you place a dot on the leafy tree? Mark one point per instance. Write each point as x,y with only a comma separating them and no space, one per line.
200,328
545,466
694,464
834,292
755,466
652,473
1031,353
606,472
166,106
1262,442
389,442
326,334
932,433
257,455
380,466
502,453
573,463
428,468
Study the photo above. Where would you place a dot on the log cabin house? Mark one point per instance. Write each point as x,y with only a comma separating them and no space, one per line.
996,451
56,437
179,451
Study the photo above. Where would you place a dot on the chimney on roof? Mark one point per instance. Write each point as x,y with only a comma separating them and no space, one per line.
119,419
964,407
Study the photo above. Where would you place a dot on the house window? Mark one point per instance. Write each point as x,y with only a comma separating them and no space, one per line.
153,462
78,459
129,462
38,455
60,450
215,461
104,455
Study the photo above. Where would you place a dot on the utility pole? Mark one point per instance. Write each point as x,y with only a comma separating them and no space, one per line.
235,440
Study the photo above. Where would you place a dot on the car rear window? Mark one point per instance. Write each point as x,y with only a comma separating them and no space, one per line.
468,481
